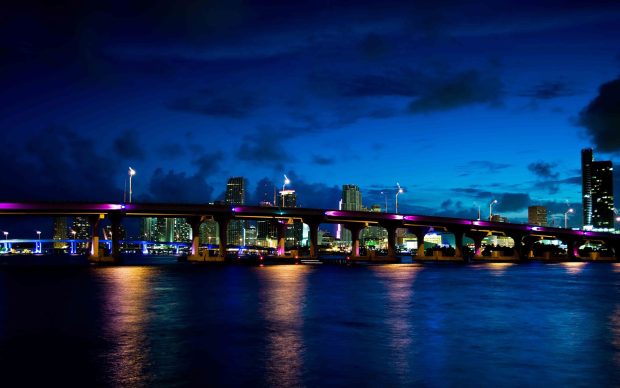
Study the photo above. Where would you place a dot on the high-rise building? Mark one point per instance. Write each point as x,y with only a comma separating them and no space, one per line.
597,192
294,233
182,230
537,215
60,231
351,200
235,195
209,232
165,229
148,230
81,227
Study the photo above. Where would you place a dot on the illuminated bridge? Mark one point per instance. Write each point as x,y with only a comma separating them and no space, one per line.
524,236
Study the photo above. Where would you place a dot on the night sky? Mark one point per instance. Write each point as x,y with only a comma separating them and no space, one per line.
461,102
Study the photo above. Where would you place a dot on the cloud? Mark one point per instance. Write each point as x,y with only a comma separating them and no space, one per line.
484,166
266,146
512,202
178,187
543,170
129,146
373,46
314,195
58,163
461,89
208,163
549,90
231,105
601,117
322,160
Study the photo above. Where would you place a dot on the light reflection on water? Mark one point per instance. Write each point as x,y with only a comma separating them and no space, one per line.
127,292
296,325
399,282
281,302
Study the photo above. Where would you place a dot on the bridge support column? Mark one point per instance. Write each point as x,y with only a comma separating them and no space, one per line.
222,226
528,243
115,254
281,236
194,223
355,229
572,246
391,235
518,246
314,237
420,232
458,242
477,236
94,236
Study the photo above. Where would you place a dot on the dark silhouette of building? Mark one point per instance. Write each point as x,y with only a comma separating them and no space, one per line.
537,215
597,192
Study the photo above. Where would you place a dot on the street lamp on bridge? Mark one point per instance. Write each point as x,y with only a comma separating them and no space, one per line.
400,190
385,197
39,234
566,217
493,202
132,172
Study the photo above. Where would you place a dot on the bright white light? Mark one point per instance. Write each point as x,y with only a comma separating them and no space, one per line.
286,180
132,172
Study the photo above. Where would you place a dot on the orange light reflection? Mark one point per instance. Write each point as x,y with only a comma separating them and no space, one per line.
281,303
127,296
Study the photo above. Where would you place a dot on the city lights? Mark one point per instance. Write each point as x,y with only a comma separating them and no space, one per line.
566,217
399,191
493,202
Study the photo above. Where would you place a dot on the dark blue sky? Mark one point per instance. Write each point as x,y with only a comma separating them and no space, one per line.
458,101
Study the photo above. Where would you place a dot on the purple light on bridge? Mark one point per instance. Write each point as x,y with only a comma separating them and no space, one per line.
11,206
394,217
411,218
335,213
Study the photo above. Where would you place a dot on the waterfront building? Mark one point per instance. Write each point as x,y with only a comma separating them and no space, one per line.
182,230
165,229
60,231
235,195
209,232
148,229
81,227
351,200
537,215
597,192
294,232
498,218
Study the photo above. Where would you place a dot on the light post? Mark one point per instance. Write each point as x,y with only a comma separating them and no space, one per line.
566,218
400,190
132,172
73,232
385,197
286,182
493,202
39,234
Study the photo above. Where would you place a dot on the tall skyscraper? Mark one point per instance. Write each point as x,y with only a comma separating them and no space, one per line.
597,192
148,230
60,231
294,233
537,215
81,226
235,195
351,200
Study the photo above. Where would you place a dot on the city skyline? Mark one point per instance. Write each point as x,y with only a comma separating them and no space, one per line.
459,103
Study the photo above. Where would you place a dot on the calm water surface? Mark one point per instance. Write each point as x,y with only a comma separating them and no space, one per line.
172,324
